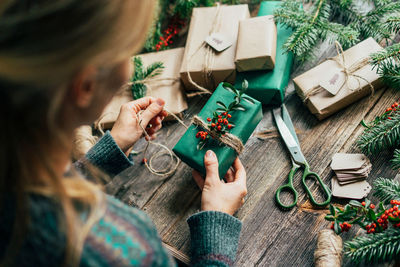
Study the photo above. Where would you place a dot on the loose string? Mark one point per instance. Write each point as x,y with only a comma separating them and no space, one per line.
348,72
83,141
227,139
209,59
329,249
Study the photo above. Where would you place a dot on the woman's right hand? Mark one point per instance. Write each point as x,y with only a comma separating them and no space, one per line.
217,195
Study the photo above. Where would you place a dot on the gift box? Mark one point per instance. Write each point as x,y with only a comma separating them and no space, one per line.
201,63
269,87
256,47
244,121
166,85
339,81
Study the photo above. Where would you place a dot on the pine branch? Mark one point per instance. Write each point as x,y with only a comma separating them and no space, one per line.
383,135
387,63
377,247
386,190
396,159
138,88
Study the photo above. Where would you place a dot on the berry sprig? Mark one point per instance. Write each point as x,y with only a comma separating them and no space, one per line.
220,122
390,111
369,217
174,27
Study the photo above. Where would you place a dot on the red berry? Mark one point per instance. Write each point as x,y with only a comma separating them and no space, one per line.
386,212
372,230
368,227
392,202
212,125
225,121
198,135
390,210
229,116
374,225
332,226
395,208
380,221
390,215
372,206
363,203
220,120
219,127
144,160
224,114
208,119
219,116
229,126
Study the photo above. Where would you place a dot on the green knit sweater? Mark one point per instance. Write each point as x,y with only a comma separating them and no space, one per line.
124,236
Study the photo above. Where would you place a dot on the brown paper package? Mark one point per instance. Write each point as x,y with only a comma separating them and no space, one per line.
256,47
171,91
324,104
222,64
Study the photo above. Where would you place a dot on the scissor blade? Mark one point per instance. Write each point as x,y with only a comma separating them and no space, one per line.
290,141
288,121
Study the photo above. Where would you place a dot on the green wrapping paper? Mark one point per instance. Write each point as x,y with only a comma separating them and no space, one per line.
245,121
269,86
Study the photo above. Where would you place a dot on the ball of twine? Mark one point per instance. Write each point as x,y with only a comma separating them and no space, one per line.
83,141
329,249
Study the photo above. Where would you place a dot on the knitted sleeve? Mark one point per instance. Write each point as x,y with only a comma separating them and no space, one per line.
105,155
124,236
214,238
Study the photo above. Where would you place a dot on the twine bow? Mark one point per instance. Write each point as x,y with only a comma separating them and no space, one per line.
348,72
227,139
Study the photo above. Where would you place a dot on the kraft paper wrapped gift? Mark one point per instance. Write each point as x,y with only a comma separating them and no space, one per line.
245,123
256,48
207,67
169,89
317,87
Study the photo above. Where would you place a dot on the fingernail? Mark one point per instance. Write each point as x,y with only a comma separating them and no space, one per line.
160,102
210,154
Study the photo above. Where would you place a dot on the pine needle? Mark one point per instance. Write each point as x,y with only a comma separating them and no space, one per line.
386,190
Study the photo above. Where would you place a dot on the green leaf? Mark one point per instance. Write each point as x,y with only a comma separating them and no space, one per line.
238,108
371,215
220,110
221,104
356,220
337,228
248,99
332,210
355,203
394,219
245,85
329,218
230,87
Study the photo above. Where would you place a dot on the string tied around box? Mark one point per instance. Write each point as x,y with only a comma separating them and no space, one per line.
227,139
209,59
348,73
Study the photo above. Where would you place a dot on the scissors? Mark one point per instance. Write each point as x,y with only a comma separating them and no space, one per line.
288,133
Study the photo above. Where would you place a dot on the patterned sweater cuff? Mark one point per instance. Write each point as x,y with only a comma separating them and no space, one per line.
214,238
107,156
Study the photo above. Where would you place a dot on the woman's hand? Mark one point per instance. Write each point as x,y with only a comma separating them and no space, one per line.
126,130
217,195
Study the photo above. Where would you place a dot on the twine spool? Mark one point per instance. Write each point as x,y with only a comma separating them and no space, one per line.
83,141
329,249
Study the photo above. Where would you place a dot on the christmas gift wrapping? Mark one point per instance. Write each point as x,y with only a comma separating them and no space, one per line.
256,47
324,88
170,89
245,123
269,86
201,63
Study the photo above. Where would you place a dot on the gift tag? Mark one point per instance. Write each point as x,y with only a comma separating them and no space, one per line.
218,41
343,161
334,83
356,190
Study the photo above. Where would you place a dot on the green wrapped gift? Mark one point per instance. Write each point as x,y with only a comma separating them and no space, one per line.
269,86
191,149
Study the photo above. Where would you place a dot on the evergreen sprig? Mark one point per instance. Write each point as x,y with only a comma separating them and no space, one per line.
383,135
386,190
142,73
387,64
372,248
396,159
340,20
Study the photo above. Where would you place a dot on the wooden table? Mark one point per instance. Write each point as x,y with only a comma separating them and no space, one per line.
270,237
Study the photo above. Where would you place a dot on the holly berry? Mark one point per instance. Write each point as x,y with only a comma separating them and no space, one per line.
219,128
372,206
363,203
208,119
225,121
212,125
229,116
229,126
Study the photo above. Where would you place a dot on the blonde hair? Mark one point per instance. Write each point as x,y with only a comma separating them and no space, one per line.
43,44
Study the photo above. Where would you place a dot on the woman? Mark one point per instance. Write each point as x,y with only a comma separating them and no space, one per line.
61,61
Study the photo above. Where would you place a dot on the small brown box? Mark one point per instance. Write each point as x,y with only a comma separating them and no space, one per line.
256,48
323,104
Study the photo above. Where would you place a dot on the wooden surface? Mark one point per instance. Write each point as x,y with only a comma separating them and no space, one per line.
270,236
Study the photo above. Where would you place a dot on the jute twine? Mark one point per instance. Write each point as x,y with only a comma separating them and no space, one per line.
83,141
209,59
227,139
329,249
348,72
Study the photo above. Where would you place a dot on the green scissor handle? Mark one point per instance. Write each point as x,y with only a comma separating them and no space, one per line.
289,188
325,189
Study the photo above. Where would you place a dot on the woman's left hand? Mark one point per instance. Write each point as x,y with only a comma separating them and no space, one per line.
126,130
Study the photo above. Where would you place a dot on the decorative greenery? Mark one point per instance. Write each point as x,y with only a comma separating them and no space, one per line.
340,20
387,63
382,243
396,159
141,74
219,123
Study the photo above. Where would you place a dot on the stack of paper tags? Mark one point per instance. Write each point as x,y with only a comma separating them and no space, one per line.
351,171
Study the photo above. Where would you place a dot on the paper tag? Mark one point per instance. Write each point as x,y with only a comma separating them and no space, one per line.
218,41
333,84
356,190
343,161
